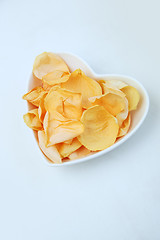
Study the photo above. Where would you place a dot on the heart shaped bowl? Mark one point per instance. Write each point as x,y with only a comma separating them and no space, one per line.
137,116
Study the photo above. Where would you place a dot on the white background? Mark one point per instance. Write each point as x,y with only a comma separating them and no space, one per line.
115,197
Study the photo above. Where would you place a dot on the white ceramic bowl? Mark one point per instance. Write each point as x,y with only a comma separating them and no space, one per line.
138,116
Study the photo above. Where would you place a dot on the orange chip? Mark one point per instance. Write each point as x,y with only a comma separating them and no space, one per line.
51,152
112,101
113,84
125,126
41,108
68,141
56,77
35,95
72,104
46,86
58,131
112,90
66,149
80,83
79,153
123,115
53,101
68,103
48,62
32,120
100,128
133,97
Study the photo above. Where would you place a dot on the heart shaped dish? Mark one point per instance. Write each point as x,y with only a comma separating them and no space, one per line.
137,116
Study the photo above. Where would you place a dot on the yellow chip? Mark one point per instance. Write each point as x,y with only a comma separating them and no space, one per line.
41,109
80,83
72,104
66,149
68,141
53,101
48,62
125,126
112,90
50,152
35,95
68,103
79,153
32,120
113,84
123,115
58,131
133,97
46,86
114,103
55,77
100,128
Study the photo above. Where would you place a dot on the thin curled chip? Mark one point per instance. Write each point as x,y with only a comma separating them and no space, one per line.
125,126
58,131
41,108
80,83
66,149
114,103
123,115
79,153
32,120
68,103
100,128
46,86
35,95
112,90
51,152
54,101
48,62
133,97
113,84
55,77
68,141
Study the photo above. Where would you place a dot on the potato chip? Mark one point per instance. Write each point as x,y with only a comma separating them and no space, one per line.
114,84
66,149
58,131
34,96
72,104
80,83
41,108
48,62
46,86
111,101
68,141
54,101
50,152
32,120
79,153
112,90
68,103
125,126
56,77
100,128
123,115
133,97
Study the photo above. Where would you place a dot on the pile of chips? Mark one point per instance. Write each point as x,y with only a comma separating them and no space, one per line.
73,114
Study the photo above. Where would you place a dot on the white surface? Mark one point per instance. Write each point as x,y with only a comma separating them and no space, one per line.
116,197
